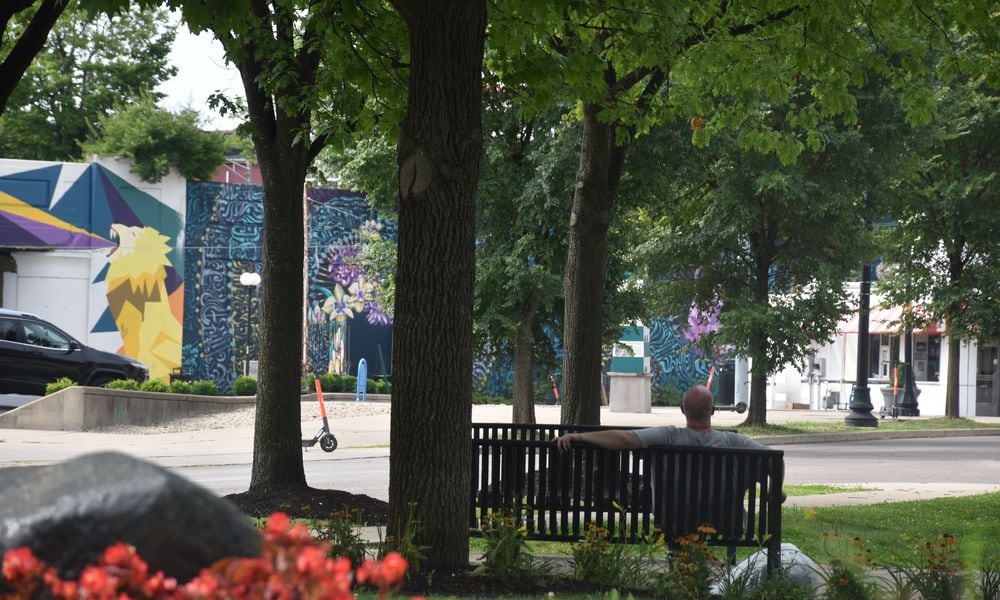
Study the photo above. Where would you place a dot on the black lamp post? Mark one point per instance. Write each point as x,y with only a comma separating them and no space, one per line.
249,281
861,400
907,407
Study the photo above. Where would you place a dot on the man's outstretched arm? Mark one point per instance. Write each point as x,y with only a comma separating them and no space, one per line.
614,439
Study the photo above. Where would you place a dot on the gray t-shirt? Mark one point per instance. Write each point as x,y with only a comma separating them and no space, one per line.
682,436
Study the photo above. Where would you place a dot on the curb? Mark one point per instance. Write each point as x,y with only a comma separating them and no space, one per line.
861,436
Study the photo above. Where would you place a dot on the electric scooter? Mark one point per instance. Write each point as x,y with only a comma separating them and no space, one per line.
326,440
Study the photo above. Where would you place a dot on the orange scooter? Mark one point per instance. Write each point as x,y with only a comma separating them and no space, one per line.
326,440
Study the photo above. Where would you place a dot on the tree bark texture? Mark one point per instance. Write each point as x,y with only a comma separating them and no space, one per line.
597,179
951,382
757,411
277,453
438,155
524,392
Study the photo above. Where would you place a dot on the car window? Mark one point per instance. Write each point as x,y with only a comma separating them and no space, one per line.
8,330
46,337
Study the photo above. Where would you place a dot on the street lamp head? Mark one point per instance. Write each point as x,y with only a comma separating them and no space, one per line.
250,279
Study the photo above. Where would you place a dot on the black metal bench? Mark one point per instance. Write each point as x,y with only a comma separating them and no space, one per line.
674,489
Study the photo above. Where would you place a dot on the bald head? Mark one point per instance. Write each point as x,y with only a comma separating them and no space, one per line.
698,405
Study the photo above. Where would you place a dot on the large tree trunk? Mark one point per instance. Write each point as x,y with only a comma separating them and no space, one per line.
524,393
757,412
277,454
597,179
438,154
951,383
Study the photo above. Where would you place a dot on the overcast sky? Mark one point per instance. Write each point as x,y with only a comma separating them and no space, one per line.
201,70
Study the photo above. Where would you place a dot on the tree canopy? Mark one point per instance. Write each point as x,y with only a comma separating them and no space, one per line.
156,139
946,208
89,65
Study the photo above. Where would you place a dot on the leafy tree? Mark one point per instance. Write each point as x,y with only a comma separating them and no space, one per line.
24,27
520,243
303,69
947,212
156,139
768,246
628,65
89,65
439,150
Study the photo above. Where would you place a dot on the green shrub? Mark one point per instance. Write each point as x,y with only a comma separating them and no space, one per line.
123,384
329,382
180,387
484,399
154,385
348,383
245,386
59,384
377,386
204,387
669,396
309,382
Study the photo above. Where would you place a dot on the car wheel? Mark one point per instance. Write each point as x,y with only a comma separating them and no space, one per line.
99,382
328,443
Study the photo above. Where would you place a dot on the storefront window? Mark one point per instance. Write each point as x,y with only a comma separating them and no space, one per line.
927,357
883,354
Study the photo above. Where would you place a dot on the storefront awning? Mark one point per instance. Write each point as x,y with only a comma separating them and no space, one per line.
884,320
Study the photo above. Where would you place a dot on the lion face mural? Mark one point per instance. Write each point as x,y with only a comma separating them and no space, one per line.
148,318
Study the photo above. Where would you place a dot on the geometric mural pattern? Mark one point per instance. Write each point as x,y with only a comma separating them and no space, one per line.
51,206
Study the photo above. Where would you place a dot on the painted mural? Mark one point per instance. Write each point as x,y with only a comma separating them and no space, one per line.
672,361
345,321
59,206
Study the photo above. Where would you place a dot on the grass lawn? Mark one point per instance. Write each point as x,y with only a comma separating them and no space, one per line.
902,424
897,531
815,489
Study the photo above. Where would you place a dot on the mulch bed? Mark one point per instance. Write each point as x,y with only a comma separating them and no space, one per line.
312,503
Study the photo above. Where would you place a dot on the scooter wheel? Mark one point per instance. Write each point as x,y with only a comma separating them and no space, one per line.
328,443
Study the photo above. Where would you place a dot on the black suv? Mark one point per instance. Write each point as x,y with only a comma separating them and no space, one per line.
34,352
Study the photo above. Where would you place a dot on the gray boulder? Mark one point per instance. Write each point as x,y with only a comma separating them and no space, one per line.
68,513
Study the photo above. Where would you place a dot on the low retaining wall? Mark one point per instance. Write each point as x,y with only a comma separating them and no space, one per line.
86,408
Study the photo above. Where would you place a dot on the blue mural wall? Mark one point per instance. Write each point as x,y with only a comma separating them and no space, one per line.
671,362
345,322
224,232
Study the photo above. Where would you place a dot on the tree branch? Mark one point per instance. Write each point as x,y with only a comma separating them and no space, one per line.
30,43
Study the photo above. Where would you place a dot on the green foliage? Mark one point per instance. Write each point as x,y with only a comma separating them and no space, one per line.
484,399
669,395
244,385
508,556
59,384
308,382
406,544
154,385
847,581
329,382
343,532
156,139
204,387
348,383
180,387
89,65
602,560
123,384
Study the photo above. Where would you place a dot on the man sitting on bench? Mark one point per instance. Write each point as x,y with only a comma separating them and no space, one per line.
698,408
